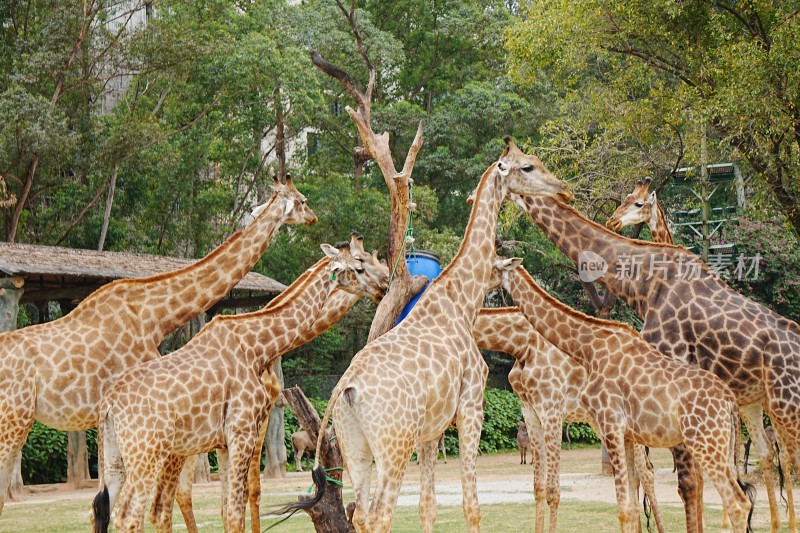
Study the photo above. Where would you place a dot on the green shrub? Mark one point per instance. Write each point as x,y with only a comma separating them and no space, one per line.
44,456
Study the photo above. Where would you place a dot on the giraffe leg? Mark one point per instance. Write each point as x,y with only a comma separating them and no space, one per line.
426,457
240,454
715,458
613,438
222,468
469,420
17,409
141,474
552,446
540,466
184,493
788,455
390,463
357,457
688,488
644,472
164,499
254,482
753,420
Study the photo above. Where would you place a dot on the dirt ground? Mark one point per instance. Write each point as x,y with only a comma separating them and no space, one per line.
501,479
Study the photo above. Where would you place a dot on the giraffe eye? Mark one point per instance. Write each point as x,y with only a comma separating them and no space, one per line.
360,270
527,168
639,204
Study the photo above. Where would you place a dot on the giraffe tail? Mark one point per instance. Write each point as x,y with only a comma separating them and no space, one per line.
736,442
101,505
101,512
318,472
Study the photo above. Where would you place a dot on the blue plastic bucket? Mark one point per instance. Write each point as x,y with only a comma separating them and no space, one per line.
420,263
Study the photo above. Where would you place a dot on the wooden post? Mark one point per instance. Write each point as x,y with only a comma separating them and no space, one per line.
274,444
10,292
328,515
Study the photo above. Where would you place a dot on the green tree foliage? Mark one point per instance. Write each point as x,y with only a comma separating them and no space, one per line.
776,283
726,65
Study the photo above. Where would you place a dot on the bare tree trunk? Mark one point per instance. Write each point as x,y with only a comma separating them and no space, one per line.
10,293
112,186
77,459
274,444
376,147
280,135
202,469
328,515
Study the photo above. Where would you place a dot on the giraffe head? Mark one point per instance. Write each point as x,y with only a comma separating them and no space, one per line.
526,174
638,206
500,266
293,204
350,273
376,272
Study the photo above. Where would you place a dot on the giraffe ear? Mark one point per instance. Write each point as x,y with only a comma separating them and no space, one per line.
502,263
289,206
651,198
330,251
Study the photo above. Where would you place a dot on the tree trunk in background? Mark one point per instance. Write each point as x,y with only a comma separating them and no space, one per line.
112,186
202,469
274,443
77,459
10,293
328,515
280,135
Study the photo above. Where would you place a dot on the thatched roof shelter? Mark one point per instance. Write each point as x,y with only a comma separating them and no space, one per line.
54,273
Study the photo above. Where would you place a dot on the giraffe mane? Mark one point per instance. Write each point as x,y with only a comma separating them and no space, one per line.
478,192
163,275
281,302
564,308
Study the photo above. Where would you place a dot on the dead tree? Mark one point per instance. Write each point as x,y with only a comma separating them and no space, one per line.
328,515
376,147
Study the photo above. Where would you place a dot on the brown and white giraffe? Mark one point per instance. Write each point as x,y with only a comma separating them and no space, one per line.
641,206
691,315
404,388
549,385
373,282
207,395
57,372
638,395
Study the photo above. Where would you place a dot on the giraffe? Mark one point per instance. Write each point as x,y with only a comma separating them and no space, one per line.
209,394
636,394
404,388
691,315
549,385
642,206
57,372
373,283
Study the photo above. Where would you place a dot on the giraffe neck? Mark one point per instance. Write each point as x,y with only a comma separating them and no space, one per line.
659,227
336,306
571,331
500,329
465,279
658,264
267,334
166,301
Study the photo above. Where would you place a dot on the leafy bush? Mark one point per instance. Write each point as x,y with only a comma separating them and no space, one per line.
582,432
44,456
776,285
501,412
